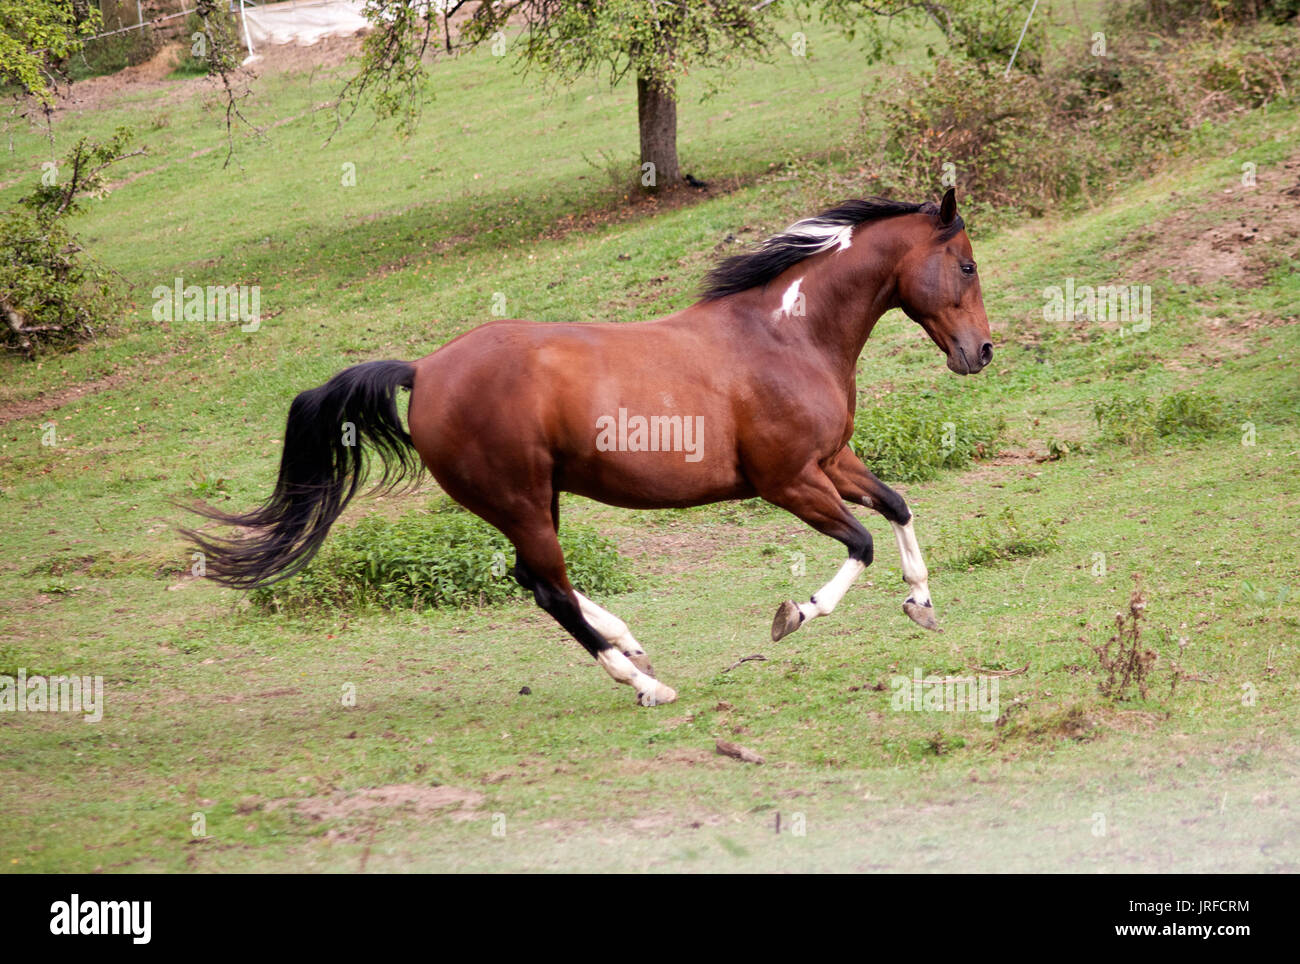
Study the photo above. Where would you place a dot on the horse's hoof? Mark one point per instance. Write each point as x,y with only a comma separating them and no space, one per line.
642,662
656,695
923,616
788,618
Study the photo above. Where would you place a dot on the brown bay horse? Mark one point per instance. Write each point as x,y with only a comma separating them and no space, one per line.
749,391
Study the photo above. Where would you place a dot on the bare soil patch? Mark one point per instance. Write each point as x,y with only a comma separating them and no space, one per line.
1250,223
93,93
683,547
49,401
672,760
408,797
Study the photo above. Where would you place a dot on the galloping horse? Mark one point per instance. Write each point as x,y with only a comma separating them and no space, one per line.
749,391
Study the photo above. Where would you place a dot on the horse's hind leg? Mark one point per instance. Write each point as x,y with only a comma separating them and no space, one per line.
539,567
615,632
602,620
856,483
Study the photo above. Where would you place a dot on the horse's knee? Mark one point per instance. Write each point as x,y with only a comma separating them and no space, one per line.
554,600
861,547
523,576
894,508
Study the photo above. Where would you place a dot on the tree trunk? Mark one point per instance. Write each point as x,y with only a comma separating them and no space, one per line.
656,108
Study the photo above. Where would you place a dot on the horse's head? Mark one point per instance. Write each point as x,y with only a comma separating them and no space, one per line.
939,289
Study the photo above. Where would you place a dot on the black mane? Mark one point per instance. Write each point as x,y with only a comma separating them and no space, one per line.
741,272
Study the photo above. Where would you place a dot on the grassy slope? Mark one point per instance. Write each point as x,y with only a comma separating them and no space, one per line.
219,710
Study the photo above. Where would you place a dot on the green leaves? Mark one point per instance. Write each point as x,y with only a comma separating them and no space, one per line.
912,438
36,37
562,40
51,296
1137,421
443,556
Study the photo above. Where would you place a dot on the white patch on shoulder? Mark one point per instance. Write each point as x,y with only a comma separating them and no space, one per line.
792,302
790,298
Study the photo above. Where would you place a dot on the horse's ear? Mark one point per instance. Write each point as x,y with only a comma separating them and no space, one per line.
948,207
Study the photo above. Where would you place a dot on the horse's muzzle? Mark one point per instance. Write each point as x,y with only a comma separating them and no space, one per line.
964,363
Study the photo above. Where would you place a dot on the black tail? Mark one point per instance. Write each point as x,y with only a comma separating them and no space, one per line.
321,468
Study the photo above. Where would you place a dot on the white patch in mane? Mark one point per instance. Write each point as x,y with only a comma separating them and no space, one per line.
821,235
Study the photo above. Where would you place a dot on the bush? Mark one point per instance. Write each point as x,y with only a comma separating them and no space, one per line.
1007,146
1136,420
1125,420
1191,414
912,439
443,556
108,55
216,49
1075,129
999,539
51,297
1172,16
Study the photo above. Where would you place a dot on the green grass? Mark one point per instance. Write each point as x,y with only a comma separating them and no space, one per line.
444,556
260,720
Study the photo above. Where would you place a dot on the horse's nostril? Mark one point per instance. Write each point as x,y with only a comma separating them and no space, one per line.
986,353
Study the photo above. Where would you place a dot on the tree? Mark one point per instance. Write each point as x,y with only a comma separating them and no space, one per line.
655,41
35,38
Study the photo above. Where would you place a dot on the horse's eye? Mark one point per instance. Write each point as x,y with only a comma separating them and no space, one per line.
968,269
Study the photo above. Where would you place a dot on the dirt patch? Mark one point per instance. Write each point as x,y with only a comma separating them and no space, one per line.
408,797
1131,721
1251,223
672,759
661,823
683,547
1016,456
46,402
93,93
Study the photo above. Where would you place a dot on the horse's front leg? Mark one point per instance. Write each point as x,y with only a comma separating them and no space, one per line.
856,483
812,497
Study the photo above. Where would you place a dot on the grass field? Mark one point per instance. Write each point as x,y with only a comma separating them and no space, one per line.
225,718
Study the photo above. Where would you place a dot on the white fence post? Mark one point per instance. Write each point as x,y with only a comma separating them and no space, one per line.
247,39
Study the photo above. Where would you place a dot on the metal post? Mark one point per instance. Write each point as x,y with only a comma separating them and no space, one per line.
247,39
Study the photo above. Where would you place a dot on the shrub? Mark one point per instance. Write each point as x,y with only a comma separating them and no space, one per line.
1008,148
1172,16
108,55
1123,658
51,296
1076,128
215,49
999,539
443,556
911,439
1125,420
1136,420
1190,414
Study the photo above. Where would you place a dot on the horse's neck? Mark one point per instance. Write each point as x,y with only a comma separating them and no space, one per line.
845,293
